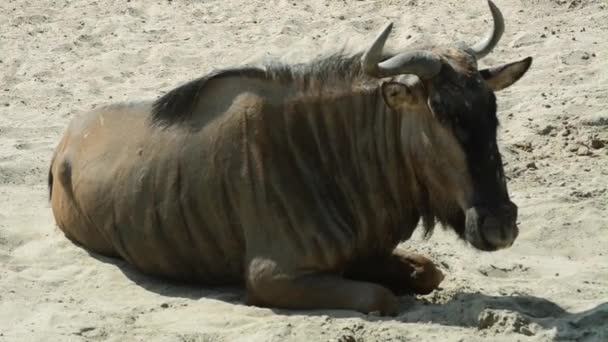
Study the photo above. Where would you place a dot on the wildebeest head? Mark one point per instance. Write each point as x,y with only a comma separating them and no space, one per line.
450,89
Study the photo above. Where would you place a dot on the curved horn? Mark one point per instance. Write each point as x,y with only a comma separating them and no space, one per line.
487,44
420,63
373,55
423,64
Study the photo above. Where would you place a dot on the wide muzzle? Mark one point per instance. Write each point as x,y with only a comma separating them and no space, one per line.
492,229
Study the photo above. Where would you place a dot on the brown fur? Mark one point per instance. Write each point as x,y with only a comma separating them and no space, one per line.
282,179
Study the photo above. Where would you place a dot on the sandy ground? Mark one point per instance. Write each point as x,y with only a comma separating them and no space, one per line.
59,57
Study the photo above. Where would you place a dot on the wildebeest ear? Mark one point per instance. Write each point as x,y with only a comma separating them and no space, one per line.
503,76
397,94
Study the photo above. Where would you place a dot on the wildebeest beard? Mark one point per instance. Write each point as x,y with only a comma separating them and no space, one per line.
447,214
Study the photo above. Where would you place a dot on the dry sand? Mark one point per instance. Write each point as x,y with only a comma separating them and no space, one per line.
59,57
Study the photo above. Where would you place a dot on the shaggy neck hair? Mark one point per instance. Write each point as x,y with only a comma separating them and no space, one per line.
338,73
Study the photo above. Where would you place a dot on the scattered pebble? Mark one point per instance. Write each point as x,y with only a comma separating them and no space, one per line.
347,338
83,331
547,130
583,151
597,144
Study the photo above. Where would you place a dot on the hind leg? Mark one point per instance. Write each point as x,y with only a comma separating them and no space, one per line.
401,271
67,213
76,229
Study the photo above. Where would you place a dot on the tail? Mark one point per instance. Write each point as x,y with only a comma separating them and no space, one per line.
64,174
50,177
50,182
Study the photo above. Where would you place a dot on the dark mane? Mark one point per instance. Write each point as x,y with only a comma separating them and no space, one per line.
323,72
179,103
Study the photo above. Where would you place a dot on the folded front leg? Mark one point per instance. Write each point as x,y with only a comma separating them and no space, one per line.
268,286
402,272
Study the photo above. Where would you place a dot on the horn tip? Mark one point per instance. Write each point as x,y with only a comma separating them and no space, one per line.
494,9
387,28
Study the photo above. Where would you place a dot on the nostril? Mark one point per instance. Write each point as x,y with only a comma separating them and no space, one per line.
481,219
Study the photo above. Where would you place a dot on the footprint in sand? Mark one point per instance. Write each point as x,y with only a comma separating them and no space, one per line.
503,272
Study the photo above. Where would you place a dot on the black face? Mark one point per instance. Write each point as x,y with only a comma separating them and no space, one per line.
467,106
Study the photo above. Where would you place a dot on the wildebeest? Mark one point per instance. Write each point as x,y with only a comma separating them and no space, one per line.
297,181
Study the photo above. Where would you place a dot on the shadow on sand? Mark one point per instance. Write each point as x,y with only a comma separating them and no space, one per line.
515,313
172,288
